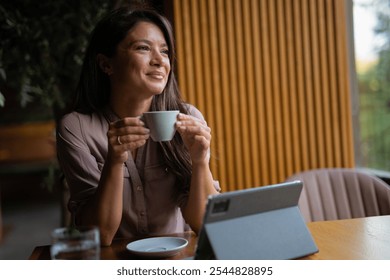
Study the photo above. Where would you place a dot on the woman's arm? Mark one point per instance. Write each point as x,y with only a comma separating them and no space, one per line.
101,193
196,136
105,208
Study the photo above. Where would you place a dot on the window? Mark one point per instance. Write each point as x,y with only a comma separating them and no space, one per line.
372,58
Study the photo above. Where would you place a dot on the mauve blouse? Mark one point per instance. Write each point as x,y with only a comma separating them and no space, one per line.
151,196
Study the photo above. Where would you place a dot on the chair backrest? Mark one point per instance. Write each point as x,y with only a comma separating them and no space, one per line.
341,193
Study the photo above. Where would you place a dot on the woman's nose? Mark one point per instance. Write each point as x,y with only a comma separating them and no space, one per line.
157,58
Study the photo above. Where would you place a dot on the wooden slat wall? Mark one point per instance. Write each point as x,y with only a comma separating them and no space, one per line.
271,78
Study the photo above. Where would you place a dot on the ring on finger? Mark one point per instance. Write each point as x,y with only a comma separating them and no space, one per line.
119,140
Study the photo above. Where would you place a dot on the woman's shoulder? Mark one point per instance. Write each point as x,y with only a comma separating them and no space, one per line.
77,120
72,118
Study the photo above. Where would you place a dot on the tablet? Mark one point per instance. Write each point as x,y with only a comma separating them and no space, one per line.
257,223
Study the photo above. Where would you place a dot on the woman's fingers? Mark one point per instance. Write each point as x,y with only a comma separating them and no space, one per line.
128,130
125,135
196,136
191,126
195,131
128,122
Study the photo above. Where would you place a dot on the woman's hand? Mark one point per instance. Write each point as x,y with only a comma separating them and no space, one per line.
125,135
196,136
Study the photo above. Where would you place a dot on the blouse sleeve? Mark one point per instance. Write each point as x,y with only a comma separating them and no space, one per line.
79,166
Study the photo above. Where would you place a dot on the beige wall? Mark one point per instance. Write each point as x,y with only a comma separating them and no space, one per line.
271,78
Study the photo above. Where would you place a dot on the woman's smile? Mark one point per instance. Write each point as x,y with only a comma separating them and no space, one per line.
156,75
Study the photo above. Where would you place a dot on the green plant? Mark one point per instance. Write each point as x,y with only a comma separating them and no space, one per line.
41,48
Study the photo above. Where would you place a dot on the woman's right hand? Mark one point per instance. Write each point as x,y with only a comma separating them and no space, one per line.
127,134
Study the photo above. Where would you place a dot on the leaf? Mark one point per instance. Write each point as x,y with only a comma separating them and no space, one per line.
25,97
2,100
3,74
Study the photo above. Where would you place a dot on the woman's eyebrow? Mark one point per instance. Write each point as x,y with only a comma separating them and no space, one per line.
147,42
140,41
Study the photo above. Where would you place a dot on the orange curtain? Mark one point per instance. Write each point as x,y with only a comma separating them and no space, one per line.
272,79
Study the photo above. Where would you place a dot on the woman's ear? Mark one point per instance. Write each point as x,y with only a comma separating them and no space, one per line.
104,64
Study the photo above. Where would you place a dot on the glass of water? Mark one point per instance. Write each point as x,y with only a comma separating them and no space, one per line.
81,243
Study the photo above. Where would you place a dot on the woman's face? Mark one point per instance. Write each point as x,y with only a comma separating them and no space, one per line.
141,64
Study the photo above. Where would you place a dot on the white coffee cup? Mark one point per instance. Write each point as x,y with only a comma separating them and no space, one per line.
161,124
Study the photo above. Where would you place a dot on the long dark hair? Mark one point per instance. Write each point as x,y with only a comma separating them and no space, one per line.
93,90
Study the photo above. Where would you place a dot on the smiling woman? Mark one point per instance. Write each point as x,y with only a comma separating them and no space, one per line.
119,179
140,66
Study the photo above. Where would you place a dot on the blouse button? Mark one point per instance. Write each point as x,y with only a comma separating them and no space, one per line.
139,188
142,213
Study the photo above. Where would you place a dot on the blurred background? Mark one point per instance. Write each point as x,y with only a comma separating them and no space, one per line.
285,85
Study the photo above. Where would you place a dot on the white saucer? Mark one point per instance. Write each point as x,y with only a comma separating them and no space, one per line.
158,247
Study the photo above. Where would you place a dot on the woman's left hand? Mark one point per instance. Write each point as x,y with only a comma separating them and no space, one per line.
196,136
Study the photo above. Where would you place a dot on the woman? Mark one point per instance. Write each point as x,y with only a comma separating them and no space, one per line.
119,179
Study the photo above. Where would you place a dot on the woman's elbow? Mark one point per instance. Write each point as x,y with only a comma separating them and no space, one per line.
105,238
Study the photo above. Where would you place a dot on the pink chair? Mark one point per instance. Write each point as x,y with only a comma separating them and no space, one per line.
341,193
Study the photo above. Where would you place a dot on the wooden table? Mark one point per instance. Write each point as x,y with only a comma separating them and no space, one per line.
118,251
353,239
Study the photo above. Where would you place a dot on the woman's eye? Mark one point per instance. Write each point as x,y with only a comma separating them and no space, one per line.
143,48
165,51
